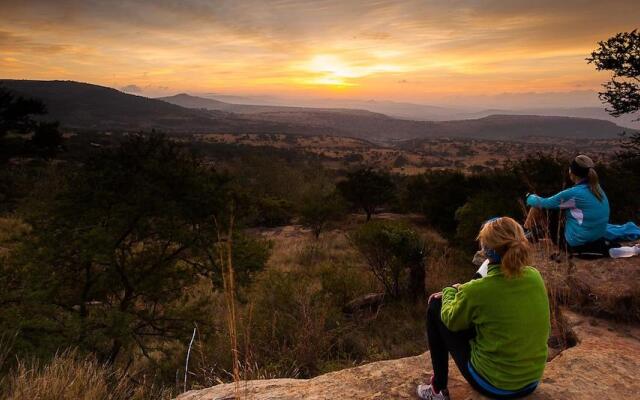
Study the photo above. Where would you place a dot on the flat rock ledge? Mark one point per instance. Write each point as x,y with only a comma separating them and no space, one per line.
603,365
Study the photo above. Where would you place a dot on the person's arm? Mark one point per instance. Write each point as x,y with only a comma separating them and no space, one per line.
456,313
562,200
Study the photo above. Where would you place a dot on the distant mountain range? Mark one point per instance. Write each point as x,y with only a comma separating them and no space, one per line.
422,112
84,106
188,101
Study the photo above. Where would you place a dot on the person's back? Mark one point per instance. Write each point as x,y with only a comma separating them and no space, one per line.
585,205
511,319
587,219
496,328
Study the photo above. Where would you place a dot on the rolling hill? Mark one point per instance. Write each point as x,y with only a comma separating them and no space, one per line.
188,101
84,106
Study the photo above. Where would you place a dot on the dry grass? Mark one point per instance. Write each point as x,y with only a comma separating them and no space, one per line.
69,376
446,266
11,230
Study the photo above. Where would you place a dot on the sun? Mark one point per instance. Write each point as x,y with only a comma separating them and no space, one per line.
331,70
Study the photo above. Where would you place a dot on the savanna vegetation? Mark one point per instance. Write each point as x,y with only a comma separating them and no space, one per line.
138,266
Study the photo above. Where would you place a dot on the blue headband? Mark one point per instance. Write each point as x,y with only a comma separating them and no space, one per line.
491,254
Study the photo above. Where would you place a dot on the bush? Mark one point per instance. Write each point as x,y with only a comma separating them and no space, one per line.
477,210
320,209
442,193
271,211
288,323
395,254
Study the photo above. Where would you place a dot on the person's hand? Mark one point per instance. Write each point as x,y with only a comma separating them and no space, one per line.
434,296
456,286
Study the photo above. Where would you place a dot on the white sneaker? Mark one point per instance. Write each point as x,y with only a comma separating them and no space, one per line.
426,392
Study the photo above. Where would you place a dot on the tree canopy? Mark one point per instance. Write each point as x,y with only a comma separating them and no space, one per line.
620,55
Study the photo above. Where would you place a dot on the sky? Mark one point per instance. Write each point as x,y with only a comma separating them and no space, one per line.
431,52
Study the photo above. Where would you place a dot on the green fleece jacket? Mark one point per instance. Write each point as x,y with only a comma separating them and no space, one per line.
511,319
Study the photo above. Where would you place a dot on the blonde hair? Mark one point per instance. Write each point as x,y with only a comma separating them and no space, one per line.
506,237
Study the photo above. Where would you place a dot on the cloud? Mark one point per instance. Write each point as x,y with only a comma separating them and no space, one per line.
132,89
366,47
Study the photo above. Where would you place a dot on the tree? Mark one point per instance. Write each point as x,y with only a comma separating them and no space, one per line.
112,248
395,254
367,189
480,207
16,116
620,54
440,195
46,138
16,113
319,208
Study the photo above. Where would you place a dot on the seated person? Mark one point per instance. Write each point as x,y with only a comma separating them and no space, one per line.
585,208
496,328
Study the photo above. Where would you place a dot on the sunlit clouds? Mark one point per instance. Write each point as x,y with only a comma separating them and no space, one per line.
409,50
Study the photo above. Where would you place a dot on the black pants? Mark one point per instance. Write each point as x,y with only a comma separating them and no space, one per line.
443,342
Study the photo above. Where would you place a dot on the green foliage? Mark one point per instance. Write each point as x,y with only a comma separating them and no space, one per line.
272,211
391,249
249,257
46,138
113,247
367,189
16,116
16,113
477,210
620,181
620,55
542,174
319,208
289,323
440,194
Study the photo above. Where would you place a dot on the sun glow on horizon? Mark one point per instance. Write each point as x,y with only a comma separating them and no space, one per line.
403,51
332,70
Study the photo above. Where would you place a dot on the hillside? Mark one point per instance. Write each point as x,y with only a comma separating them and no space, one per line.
85,106
188,101
357,123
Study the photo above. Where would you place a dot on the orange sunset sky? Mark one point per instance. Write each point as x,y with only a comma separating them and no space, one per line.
398,50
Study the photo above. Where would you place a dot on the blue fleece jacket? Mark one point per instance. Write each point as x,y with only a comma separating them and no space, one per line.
586,217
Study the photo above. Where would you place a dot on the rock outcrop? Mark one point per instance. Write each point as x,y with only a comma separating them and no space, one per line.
603,365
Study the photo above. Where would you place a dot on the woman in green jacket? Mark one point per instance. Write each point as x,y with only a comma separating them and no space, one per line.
496,328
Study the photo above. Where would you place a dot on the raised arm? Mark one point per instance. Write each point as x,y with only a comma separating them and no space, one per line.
562,200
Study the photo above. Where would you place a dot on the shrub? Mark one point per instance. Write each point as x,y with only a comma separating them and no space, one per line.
272,211
288,323
319,209
476,211
391,249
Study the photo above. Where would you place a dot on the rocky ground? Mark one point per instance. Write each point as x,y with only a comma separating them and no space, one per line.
602,365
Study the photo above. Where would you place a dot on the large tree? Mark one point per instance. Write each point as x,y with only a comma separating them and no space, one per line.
620,55
367,189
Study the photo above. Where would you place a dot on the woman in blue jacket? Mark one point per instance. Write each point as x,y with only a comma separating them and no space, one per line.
585,207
